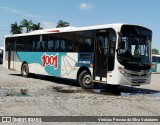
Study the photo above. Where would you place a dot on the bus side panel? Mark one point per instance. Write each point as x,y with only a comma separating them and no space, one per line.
68,66
46,63
18,63
72,62
52,63
60,64
25,57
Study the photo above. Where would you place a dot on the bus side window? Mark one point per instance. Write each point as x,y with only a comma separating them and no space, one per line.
46,46
57,46
63,47
40,46
45,43
35,40
70,46
87,45
29,43
19,45
34,45
51,45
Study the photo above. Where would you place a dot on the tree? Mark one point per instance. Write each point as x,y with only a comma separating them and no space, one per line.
155,51
15,29
27,24
62,24
36,27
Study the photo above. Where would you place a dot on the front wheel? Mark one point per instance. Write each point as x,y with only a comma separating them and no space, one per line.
85,81
25,70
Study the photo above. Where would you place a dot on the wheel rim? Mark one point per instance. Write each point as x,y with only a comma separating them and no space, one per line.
25,70
87,80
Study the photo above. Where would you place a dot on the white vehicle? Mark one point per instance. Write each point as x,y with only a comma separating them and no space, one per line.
155,63
115,54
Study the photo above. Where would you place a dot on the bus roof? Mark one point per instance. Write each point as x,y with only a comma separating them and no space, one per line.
116,26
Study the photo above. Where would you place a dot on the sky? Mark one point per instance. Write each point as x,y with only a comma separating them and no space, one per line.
81,13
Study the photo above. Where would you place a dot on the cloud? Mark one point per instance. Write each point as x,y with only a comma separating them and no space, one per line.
12,10
20,12
85,6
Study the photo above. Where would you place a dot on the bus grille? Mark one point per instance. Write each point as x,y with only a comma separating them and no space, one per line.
138,80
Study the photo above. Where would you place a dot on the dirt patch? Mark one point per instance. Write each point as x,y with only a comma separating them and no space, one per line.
67,90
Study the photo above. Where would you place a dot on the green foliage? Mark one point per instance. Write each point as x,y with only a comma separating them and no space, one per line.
30,26
155,51
36,27
15,28
25,24
62,24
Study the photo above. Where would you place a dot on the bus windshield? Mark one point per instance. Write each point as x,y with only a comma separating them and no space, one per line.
134,47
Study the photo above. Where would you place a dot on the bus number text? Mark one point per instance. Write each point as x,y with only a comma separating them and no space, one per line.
50,60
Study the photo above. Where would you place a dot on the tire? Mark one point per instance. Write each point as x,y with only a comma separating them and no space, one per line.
84,79
25,70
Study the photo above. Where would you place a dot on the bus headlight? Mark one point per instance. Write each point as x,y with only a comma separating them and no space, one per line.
121,70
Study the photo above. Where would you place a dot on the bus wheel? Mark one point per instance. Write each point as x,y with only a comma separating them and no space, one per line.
84,80
25,70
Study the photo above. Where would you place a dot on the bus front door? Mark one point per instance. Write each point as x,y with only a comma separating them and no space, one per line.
101,57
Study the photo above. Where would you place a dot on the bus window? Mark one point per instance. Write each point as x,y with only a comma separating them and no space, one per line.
69,46
51,45
35,39
45,43
19,45
29,44
40,46
57,45
85,41
63,47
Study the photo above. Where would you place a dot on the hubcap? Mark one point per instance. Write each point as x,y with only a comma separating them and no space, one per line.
25,71
87,80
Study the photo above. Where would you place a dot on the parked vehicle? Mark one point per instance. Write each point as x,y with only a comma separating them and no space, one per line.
155,63
115,54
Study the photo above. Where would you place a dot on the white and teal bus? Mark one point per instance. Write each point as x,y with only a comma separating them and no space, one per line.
155,63
114,54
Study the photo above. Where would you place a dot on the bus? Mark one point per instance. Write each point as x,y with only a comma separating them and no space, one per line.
112,54
155,63
1,55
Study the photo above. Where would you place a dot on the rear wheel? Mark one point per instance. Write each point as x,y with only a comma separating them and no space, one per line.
85,80
25,70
